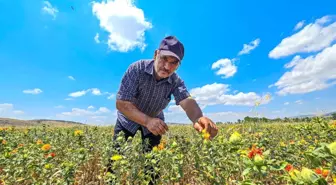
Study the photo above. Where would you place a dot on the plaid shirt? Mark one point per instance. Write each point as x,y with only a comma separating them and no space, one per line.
139,86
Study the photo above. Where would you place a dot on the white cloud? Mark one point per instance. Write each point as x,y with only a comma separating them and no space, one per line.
312,38
33,91
299,102
112,96
94,91
7,110
214,94
84,112
59,106
96,38
316,72
49,9
104,110
294,62
91,107
125,23
6,106
247,48
286,103
299,25
102,116
18,112
78,93
226,68
71,77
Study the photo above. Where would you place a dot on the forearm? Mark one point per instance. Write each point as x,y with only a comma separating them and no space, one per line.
192,110
132,112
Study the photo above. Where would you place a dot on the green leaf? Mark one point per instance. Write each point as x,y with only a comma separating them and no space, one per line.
246,171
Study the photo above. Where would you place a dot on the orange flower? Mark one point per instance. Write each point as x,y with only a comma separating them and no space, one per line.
325,173
254,151
322,172
20,145
52,154
318,171
46,147
4,142
161,146
14,151
289,167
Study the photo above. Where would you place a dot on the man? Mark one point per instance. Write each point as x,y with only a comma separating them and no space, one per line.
146,89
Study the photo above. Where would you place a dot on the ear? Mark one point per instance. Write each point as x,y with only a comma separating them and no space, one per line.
156,53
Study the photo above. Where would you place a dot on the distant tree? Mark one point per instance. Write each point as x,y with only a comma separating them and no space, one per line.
333,115
286,119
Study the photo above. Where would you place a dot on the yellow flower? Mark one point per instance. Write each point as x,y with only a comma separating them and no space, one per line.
294,174
47,166
282,144
258,160
78,132
303,142
205,135
116,157
235,137
46,147
155,149
39,142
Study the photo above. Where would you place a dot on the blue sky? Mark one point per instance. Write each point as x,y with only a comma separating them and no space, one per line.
60,63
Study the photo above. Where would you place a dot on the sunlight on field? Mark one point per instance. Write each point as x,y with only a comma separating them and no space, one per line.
248,153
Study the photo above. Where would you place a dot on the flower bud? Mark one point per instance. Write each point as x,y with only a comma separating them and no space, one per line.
235,137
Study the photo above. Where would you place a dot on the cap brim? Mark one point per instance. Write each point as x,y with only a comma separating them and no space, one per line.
169,53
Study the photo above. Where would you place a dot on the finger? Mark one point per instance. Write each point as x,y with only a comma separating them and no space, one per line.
160,129
198,127
214,130
154,131
165,126
206,124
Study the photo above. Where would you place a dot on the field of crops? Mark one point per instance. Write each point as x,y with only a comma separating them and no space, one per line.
247,153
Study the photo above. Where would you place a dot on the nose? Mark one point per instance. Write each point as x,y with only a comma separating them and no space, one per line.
168,66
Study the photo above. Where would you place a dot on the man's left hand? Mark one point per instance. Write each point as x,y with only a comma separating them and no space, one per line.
208,125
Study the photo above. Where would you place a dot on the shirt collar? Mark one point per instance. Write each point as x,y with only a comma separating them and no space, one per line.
149,68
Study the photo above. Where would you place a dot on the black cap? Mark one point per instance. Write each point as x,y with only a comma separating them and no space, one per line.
171,46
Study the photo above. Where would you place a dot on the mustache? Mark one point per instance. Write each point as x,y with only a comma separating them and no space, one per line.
167,71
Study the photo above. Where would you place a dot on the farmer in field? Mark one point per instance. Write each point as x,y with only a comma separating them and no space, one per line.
146,89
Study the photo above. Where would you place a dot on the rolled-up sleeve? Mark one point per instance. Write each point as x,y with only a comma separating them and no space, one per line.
129,84
180,92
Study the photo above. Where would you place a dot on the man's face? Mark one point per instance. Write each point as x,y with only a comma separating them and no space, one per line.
164,65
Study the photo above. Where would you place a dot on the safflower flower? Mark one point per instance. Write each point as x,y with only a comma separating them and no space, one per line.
46,147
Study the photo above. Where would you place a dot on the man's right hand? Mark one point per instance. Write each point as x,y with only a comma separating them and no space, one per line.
156,126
